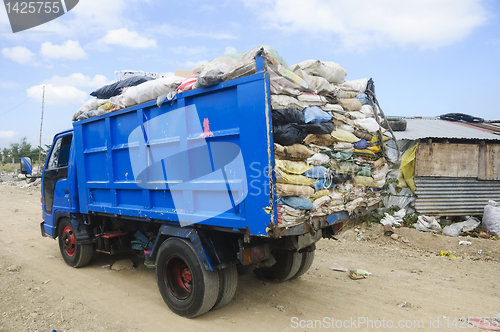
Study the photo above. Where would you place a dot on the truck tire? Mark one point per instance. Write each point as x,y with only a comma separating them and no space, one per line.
75,255
186,286
287,265
228,281
307,260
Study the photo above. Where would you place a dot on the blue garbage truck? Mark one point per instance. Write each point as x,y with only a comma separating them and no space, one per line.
189,183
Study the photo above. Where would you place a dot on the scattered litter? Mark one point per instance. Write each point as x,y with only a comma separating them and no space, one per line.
355,276
363,272
447,254
448,279
338,267
46,282
395,220
456,228
467,243
479,251
491,217
388,231
405,305
427,224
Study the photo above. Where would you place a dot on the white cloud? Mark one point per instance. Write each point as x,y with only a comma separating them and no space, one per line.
19,54
188,51
7,134
127,38
361,24
230,50
69,50
64,90
79,80
191,64
181,31
58,94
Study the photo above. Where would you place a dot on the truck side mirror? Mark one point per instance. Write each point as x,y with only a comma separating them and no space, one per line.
26,165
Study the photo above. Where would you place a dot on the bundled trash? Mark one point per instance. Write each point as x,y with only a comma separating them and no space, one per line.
328,143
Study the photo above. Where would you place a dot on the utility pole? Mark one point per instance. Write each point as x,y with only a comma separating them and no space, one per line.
41,123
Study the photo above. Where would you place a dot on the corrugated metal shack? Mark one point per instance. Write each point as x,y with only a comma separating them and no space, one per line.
457,165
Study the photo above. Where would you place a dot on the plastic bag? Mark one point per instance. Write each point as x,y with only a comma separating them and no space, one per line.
427,224
357,86
350,105
150,90
332,108
283,101
369,124
312,99
322,184
363,98
362,180
394,220
325,139
90,105
187,84
283,190
284,177
456,228
116,88
341,146
361,144
491,217
344,136
294,152
285,116
292,167
280,85
364,171
318,172
318,159
297,202
342,155
330,71
288,134
314,114
319,128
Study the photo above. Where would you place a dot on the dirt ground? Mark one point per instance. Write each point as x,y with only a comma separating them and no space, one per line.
411,287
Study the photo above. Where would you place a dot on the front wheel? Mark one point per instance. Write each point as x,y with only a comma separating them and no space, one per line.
186,286
75,255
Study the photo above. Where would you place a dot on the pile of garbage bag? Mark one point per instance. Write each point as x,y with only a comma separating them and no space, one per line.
326,132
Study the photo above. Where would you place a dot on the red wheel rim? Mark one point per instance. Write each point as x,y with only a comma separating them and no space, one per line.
178,278
68,240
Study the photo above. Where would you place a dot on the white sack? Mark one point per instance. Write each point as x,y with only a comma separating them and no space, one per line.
491,217
150,90
369,124
330,71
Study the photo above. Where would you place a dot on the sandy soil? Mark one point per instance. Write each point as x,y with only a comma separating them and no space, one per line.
410,286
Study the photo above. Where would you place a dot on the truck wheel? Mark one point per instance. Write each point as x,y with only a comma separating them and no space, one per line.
287,265
307,260
186,286
228,280
75,255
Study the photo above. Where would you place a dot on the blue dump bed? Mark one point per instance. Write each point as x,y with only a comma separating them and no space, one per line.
202,158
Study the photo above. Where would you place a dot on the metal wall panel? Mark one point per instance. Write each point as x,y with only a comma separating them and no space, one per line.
445,196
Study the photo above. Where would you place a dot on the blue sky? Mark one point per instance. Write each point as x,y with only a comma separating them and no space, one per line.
427,57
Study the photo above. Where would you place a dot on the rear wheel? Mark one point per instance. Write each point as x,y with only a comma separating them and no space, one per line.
307,260
287,265
228,281
186,286
75,255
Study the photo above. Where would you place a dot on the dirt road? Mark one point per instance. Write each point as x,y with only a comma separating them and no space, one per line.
410,286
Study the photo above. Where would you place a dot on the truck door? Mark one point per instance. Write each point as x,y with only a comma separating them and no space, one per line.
55,180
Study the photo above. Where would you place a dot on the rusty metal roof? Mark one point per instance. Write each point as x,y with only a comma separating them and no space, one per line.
420,128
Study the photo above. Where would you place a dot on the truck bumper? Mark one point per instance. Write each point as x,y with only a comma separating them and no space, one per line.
42,229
